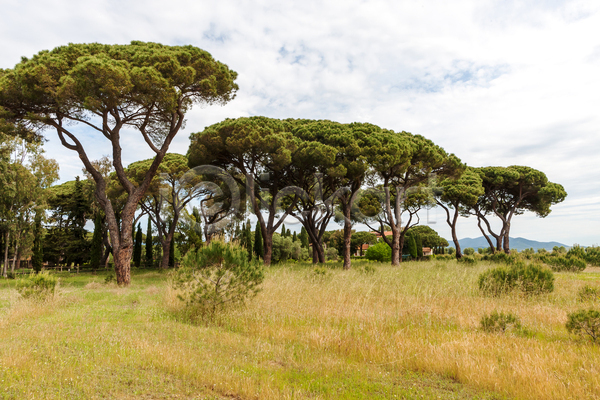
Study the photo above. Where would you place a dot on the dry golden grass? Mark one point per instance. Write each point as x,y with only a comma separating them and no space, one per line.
406,332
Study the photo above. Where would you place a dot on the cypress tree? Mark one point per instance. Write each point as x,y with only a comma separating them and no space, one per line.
137,249
96,248
149,252
283,231
412,246
258,242
419,244
249,240
294,237
172,252
304,237
288,233
38,251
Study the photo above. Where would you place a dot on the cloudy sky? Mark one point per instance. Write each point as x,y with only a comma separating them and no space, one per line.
496,82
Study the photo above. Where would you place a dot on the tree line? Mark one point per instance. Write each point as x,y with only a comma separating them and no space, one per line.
314,171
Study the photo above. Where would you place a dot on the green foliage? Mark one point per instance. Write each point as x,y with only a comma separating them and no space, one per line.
283,248
412,246
568,263
110,278
37,286
149,249
419,245
470,260
499,322
499,257
172,252
584,323
588,293
96,245
359,239
469,251
535,279
379,252
592,255
304,237
216,277
37,259
331,253
497,280
259,250
137,247
530,279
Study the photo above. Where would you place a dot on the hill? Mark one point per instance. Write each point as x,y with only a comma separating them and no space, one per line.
515,243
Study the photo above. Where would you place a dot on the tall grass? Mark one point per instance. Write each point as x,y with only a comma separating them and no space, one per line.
405,332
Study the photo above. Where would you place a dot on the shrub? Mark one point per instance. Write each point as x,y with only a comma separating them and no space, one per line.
331,253
585,323
380,252
467,260
530,279
535,279
37,286
592,255
498,280
469,251
567,263
500,257
499,322
215,277
588,293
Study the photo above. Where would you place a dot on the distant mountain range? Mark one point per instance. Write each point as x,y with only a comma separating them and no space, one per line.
515,243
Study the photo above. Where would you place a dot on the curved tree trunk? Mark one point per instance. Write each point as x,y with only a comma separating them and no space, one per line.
487,238
347,238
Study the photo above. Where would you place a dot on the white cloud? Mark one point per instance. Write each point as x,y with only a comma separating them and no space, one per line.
495,82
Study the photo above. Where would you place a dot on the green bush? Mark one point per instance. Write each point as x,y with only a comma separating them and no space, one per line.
467,260
588,293
497,280
469,251
499,322
530,279
569,263
585,323
37,286
331,254
592,255
500,257
380,252
535,279
216,277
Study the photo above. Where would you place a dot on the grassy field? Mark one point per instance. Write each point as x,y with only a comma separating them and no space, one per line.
410,332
